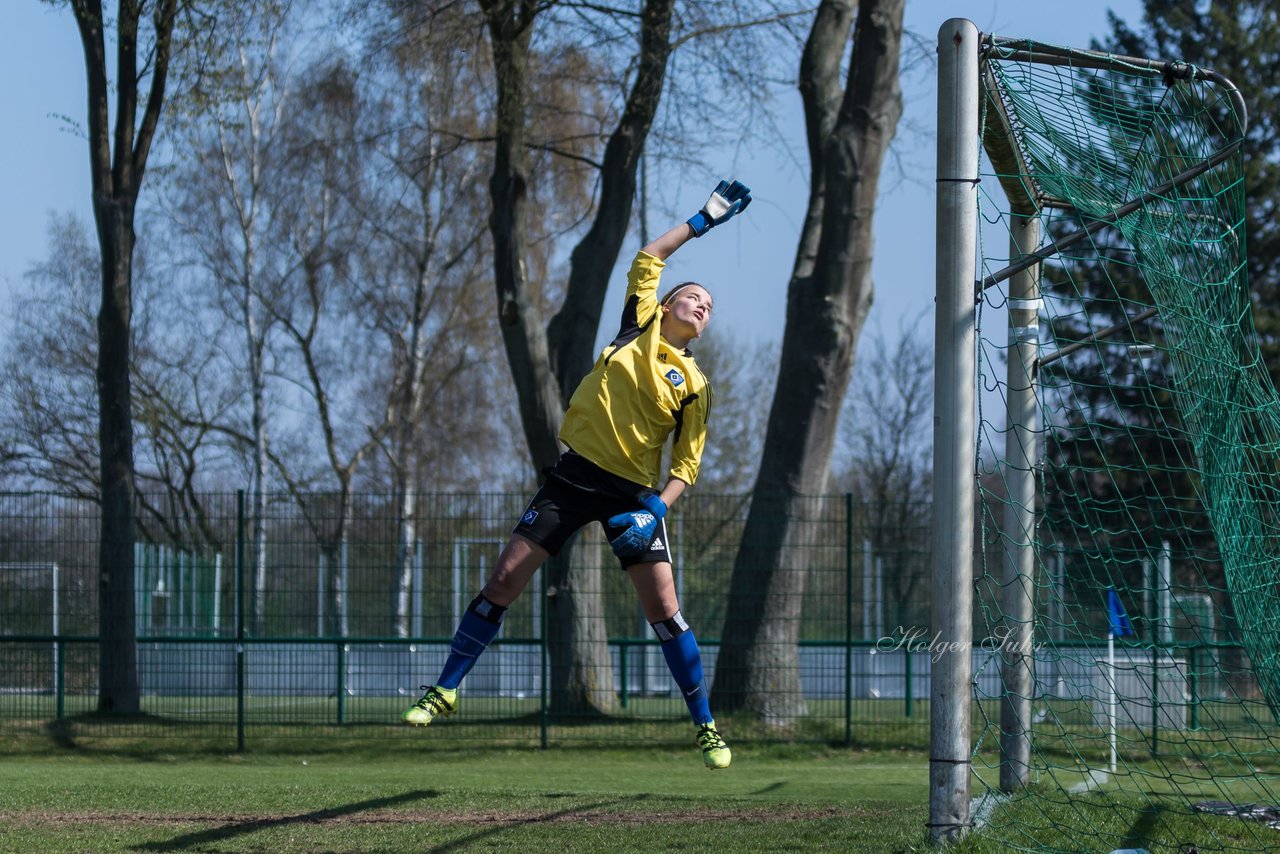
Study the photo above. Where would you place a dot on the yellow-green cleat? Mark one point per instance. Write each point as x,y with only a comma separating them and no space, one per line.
440,702
714,751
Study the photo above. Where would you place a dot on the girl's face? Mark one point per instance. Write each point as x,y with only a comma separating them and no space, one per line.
691,306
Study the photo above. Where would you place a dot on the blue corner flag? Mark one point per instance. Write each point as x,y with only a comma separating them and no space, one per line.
1117,619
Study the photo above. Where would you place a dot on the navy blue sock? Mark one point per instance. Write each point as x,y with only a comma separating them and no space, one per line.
680,648
475,632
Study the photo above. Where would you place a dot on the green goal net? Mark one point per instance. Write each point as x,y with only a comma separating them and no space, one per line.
1128,466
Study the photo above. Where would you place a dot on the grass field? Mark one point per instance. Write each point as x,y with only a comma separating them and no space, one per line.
772,799
357,798
84,784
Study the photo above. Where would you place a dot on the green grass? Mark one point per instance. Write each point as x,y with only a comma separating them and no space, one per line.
416,799
628,783
505,722
1045,821
418,796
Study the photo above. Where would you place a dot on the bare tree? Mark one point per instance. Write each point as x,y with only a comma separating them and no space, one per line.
827,303
223,205
887,463
118,162
314,229
547,363
49,419
419,271
384,222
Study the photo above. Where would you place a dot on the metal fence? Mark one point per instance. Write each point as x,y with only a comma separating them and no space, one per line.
345,614
315,621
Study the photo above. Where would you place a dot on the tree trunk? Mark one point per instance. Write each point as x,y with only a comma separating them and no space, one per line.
571,345
522,331
578,639
827,303
116,182
577,667
581,667
547,364
255,346
117,616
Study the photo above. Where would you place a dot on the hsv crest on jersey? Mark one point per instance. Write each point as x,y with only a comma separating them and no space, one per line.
676,378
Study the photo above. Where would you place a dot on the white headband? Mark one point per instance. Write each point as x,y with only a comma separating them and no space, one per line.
672,295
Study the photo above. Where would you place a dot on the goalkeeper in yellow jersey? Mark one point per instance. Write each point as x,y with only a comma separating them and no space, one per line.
644,389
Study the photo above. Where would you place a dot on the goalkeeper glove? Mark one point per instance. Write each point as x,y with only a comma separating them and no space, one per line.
640,527
725,203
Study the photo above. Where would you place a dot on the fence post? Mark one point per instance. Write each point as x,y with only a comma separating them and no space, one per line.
623,646
848,619
61,676
342,681
543,700
1194,687
906,657
1155,699
240,620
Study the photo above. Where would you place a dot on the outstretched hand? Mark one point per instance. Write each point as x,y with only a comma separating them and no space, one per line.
728,200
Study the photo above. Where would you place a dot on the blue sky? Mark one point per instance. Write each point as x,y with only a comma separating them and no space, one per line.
747,264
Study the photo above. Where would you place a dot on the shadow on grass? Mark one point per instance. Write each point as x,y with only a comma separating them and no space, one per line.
220,834
65,732
157,737
497,829
1141,832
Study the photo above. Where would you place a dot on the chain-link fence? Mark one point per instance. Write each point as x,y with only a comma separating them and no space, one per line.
297,617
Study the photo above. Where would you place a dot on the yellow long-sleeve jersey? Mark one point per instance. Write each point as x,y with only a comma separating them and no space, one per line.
641,391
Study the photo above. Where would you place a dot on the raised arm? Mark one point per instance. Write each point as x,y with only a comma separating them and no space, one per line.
662,247
728,200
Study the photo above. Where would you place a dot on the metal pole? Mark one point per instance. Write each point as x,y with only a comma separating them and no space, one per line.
216,623
416,608
240,639
868,591
1164,595
954,431
344,628
342,682
57,645
848,619
1021,452
1060,591
880,603
1164,644
61,680
544,665
1111,696
320,594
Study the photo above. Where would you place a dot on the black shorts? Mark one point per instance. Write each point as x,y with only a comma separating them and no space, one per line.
578,492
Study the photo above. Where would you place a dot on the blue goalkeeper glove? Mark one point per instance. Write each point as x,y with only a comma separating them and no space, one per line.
640,527
725,203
